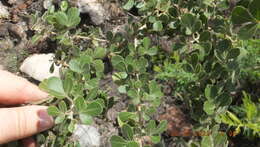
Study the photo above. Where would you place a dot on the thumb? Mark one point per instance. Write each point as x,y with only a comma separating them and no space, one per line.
22,122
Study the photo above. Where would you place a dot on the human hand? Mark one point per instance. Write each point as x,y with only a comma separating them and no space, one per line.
21,122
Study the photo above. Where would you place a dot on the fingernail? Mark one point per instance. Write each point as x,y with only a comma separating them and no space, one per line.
45,121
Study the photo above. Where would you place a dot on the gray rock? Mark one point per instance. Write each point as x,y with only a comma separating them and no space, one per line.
95,10
88,136
38,66
3,11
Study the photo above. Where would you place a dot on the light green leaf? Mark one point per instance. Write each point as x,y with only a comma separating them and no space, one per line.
250,107
99,52
61,18
209,107
129,5
127,132
73,17
132,144
122,89
161,127
63,107
146,42
207,141
152,51
155,139
67,84
117,141
118,62
54,87
99,66
151,127
80,104
157,26
76,66
125,116
53,111
64,5
59,119
85,118
93,109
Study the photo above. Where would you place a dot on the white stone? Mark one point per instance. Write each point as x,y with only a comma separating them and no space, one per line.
95,10
47,4
88,136
38,66
3,11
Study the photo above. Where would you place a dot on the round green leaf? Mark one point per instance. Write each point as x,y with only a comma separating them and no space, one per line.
127,132
129,5
132,144
157,26
53,111
117,141
93,109
233,53
241,15
254,8
247,31
54,87
85,119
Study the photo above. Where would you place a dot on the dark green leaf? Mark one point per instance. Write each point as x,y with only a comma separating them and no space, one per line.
224,44
240,15
233,53
254,8
191,23
247,31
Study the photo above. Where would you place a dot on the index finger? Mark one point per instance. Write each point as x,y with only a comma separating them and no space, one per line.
17,90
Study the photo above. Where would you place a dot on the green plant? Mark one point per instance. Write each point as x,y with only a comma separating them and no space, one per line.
204,62
248,120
